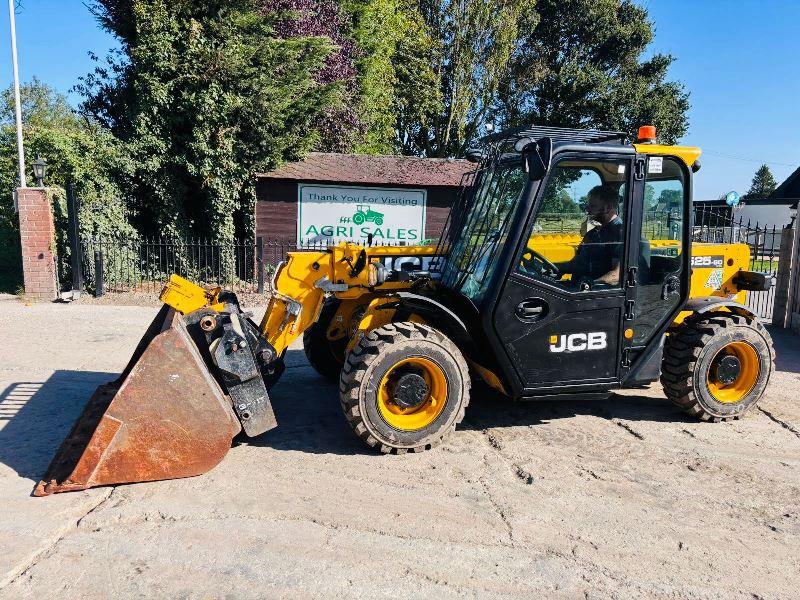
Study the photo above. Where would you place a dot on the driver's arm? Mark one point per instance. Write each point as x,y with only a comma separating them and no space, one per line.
610,278
578,263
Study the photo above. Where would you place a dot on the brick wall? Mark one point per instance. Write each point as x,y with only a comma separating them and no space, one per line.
37,237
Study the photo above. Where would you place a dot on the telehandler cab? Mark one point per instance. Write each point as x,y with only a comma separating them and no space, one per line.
520,292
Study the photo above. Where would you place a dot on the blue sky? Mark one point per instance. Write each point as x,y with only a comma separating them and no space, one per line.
738,59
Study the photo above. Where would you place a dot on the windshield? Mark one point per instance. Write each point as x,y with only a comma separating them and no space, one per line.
483,229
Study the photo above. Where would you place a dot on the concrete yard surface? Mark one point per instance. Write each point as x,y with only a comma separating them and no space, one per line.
623,498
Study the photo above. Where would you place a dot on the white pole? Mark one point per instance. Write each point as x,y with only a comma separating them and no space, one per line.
17,104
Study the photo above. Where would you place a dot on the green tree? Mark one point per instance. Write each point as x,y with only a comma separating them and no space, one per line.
397,83
763,184
472,41
570,63
649,196
583,65
670,199
559,203
340,126
205,94
76,150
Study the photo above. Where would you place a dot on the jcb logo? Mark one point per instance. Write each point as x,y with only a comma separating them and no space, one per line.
578,342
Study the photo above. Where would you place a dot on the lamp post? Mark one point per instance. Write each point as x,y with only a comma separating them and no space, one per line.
17,104
39,170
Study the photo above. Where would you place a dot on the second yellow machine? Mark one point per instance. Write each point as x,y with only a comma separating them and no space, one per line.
522,292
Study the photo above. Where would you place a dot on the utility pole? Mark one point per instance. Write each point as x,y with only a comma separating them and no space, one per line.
17,103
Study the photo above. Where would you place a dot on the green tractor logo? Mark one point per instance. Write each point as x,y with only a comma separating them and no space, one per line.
364,213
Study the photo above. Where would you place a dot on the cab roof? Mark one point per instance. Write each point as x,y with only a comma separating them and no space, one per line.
688,154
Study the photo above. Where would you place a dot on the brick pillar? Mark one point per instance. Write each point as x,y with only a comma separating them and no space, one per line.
37,234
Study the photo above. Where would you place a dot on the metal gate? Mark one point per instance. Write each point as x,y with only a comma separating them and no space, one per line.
720,226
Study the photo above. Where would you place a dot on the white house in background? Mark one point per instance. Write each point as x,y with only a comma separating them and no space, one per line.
765,213
778,210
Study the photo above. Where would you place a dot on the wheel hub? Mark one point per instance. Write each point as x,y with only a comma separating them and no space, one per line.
728,369
410,391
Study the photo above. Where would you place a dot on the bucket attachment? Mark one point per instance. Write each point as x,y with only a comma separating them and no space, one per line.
165,417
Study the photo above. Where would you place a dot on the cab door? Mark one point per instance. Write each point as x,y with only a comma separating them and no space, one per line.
556,327
659,282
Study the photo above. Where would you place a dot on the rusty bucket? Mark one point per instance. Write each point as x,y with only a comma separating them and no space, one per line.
165,417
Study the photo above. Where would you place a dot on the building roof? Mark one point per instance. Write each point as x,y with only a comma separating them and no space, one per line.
789,189
372,169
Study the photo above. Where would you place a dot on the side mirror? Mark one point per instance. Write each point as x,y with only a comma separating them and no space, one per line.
536,156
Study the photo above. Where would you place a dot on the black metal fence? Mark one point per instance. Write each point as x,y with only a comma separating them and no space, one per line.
145,264
721,226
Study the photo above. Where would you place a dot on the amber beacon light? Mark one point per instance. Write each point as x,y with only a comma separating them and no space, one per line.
647,134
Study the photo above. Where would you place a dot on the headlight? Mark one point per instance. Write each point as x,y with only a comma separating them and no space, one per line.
376,274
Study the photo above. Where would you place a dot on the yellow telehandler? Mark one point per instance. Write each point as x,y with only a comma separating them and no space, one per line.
523,292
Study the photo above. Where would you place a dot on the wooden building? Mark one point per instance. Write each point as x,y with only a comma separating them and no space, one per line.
400,200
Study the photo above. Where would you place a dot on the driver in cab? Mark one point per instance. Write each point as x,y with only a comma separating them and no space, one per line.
599,254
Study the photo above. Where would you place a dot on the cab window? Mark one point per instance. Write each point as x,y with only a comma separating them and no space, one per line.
658,280
576,238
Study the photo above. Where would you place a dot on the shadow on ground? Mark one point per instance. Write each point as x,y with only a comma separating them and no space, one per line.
490,409
310,417
787,349
36,416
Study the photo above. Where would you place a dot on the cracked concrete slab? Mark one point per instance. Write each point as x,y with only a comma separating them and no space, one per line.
612,499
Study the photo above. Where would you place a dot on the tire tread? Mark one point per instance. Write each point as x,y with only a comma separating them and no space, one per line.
366,351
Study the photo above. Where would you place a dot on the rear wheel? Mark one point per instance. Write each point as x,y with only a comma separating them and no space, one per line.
404,387
717,366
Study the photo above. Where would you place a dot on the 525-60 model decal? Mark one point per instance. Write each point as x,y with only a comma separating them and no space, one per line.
708,262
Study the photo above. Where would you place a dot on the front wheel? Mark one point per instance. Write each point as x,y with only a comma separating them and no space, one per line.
717,366
404,387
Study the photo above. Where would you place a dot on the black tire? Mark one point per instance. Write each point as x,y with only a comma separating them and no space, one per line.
374,356
689,355
325,356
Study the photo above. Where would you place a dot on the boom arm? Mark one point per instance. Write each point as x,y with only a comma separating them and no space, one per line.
300,284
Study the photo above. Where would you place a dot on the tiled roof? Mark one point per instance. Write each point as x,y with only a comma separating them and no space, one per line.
371,169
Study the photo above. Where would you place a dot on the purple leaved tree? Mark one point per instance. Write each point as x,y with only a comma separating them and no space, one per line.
340,126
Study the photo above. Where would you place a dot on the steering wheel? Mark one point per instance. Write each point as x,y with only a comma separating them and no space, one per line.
538,264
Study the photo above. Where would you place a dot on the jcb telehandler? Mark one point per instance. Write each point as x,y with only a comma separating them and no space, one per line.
521,293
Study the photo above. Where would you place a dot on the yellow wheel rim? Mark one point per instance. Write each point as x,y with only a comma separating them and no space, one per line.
431,406
745,380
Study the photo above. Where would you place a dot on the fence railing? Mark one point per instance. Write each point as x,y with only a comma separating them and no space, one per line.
712,225
720,227
145,264
120,265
